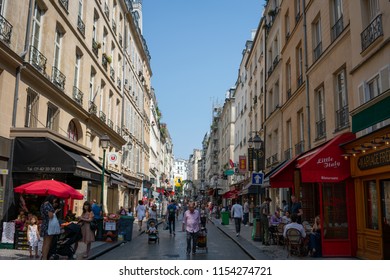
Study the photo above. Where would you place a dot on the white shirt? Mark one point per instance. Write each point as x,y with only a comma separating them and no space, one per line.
296,226
140,211
237,211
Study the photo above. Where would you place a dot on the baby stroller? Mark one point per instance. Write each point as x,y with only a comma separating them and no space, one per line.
152,236
201,242
62,244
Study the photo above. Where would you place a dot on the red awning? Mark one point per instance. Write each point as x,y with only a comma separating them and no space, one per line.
231,194
211,192
284,177
326,163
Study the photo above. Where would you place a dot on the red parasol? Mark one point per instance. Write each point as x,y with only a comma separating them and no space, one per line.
49,187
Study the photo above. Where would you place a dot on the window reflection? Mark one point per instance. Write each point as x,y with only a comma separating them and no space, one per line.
371,205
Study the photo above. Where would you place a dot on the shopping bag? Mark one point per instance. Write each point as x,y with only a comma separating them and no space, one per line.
54,226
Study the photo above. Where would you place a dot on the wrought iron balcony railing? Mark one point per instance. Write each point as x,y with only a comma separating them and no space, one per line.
337,28
5,30
58,78
342,117
64,4
118,129
300,80
114,26
80,25
373,31
104,61
288,154
275,158
112,74
119,83
38,60
78,95
300,147
106,11
276,61
268,161
92,109
95,47
102,116
289,93
120,40
110,123
317,51
320,128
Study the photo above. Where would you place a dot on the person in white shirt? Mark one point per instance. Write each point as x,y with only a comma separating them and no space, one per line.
237,213
140,211
246,213
294,224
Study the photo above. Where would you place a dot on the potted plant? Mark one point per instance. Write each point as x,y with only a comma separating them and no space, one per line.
98,45
108,57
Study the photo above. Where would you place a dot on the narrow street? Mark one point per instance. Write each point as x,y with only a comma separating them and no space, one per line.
220,247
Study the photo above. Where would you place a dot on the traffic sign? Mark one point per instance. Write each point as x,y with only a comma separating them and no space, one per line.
257,178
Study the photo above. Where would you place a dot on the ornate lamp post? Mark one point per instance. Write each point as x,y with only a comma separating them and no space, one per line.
104,143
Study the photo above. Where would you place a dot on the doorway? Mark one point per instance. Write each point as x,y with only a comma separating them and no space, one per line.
385,200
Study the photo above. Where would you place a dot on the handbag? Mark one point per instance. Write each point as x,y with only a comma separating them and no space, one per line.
54,226
93,225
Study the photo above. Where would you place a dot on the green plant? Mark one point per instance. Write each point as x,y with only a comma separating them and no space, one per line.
108,57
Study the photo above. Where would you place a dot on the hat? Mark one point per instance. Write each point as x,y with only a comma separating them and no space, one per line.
268,199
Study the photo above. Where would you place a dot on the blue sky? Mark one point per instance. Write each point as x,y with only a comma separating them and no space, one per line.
196,49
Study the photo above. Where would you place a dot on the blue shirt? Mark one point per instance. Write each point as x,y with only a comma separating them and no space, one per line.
96,211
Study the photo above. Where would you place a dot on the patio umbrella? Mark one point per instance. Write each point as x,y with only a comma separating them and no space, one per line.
49,187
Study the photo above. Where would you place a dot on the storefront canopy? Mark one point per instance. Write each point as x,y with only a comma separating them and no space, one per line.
43,155
284,177
118,179
326,163
230,194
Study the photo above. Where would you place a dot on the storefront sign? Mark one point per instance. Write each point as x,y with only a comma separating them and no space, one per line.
242,165
328,162
3,171
44,169
373,160
250,158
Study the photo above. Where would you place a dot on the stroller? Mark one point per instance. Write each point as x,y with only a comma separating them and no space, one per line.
201,242
62,245
152,236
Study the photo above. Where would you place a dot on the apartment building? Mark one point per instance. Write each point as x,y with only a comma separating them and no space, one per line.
71,72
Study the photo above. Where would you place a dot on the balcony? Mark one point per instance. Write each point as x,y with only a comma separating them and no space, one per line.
5,30
110,123
268,161
92,109
80,25
342,118
112,74
38,60
118,129
373,31
120,40
300,80
317,51
106,11
95,47
104,61
102,116
288,154
58,78
64,4
289,93
78,95
337,28
297,17
276,61
270,70
119,83
320,128
114,26
274,158
300,147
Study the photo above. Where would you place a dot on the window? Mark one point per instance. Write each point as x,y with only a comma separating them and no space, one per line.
320,112
373,89
57,49
36,26
77,70
288,79
94,27
1,6
300,146
371,205
31,109
52,117
297,10
80,12
338,24
373,9
288,152
317,40
299,67
91,86
72,131
341,100
287,25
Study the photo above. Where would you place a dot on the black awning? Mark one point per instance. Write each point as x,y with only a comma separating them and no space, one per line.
43,155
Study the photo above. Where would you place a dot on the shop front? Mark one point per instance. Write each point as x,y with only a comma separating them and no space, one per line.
321,179
370,169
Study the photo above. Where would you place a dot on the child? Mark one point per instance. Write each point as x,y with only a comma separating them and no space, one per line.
33,235
152,228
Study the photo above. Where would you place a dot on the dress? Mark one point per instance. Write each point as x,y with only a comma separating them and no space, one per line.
140,212
33,235
88,235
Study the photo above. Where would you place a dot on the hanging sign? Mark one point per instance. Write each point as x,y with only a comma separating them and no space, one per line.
113,158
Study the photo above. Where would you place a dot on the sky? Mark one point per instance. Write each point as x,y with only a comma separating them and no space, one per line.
196,50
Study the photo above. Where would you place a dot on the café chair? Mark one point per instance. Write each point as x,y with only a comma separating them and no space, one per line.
293,242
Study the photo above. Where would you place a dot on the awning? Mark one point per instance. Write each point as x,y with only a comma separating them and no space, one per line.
284,177
43,155
266,182
326,163
230,194
117,179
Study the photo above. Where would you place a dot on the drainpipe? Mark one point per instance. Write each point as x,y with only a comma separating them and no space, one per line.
306,76
8,194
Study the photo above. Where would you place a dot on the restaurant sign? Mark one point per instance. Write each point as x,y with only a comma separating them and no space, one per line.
373,160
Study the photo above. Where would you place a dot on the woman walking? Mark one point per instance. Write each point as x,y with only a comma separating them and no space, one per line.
85,219
47,213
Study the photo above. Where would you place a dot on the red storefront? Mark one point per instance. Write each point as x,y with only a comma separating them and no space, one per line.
321,179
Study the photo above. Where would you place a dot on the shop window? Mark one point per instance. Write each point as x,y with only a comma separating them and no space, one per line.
335,223
371,205
72,131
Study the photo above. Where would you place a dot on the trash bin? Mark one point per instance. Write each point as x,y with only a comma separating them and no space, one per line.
126,227
225,218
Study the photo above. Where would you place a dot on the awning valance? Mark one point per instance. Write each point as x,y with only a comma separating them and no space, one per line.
43,155
284,177
231,194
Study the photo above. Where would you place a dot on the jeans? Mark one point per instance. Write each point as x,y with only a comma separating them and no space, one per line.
246,218
237,222
264,229
315,243
171,222
193,236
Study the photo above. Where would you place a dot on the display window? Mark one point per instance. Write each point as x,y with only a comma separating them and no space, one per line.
371,204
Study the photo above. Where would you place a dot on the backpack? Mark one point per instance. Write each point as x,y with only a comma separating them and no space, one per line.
171,211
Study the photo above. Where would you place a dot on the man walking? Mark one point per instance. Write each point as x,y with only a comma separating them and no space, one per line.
98,217
237,212
191,224
264,216
246,213
171,216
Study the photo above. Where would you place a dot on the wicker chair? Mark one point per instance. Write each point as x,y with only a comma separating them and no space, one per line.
293,242
279,234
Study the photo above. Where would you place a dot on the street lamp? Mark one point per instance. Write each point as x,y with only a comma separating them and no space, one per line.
104,143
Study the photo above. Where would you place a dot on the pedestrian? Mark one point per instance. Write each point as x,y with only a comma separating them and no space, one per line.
264,220
245,220
296,208
33,236
171,216
191,224
203,215
237,212
47,213
98,217
85,220
284,207
140,211
122,211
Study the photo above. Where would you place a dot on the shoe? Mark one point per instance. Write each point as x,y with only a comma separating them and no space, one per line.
85,256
